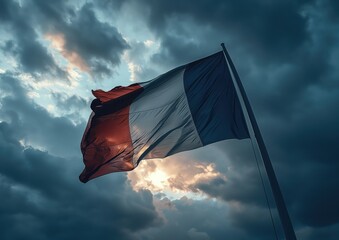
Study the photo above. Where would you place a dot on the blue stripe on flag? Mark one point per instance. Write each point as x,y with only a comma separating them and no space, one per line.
212,99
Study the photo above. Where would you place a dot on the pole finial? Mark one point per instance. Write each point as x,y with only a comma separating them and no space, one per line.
224,48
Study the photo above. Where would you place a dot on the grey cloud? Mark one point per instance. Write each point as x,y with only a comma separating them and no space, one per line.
208,219
267,29
56,12
242,189
331,8
194,234
68,103
33,57
6,9
109,6
41,189
323,233
99,44
59,135
240,180
171,52
136,54
96,40
317,206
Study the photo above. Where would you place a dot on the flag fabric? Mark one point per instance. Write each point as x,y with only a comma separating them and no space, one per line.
186,108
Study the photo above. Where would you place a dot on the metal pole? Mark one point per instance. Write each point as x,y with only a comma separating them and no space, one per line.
280,203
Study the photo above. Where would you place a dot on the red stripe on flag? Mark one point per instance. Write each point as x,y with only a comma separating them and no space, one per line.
107,145
115,93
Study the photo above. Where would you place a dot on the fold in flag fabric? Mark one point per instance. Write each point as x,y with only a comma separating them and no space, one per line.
186,108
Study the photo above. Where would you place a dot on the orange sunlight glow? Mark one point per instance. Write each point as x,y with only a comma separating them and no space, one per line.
58,43
176,176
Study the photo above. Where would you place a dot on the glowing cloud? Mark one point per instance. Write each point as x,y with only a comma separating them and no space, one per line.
175,176
138,57
134,69
58,43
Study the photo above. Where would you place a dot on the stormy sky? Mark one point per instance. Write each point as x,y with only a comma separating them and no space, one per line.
53,53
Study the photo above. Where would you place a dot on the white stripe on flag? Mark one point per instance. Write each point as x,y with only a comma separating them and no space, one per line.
160,120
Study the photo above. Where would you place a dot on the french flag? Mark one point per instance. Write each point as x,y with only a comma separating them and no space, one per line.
186,108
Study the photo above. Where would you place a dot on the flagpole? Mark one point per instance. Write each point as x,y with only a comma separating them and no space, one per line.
280,203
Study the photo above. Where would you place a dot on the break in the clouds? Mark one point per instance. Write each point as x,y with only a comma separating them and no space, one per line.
86,42
53,53
23,41
78,35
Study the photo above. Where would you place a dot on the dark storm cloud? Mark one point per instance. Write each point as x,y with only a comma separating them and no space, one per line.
59,135
235,189
302,136
137,54
68,103
240,186
33,57
268,29
109,5
207,219
311,144
240,180
99,44
41,195
6,7
331,8
56,208
302,142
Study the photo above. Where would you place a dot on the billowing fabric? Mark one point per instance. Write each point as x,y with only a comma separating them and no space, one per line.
186,108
